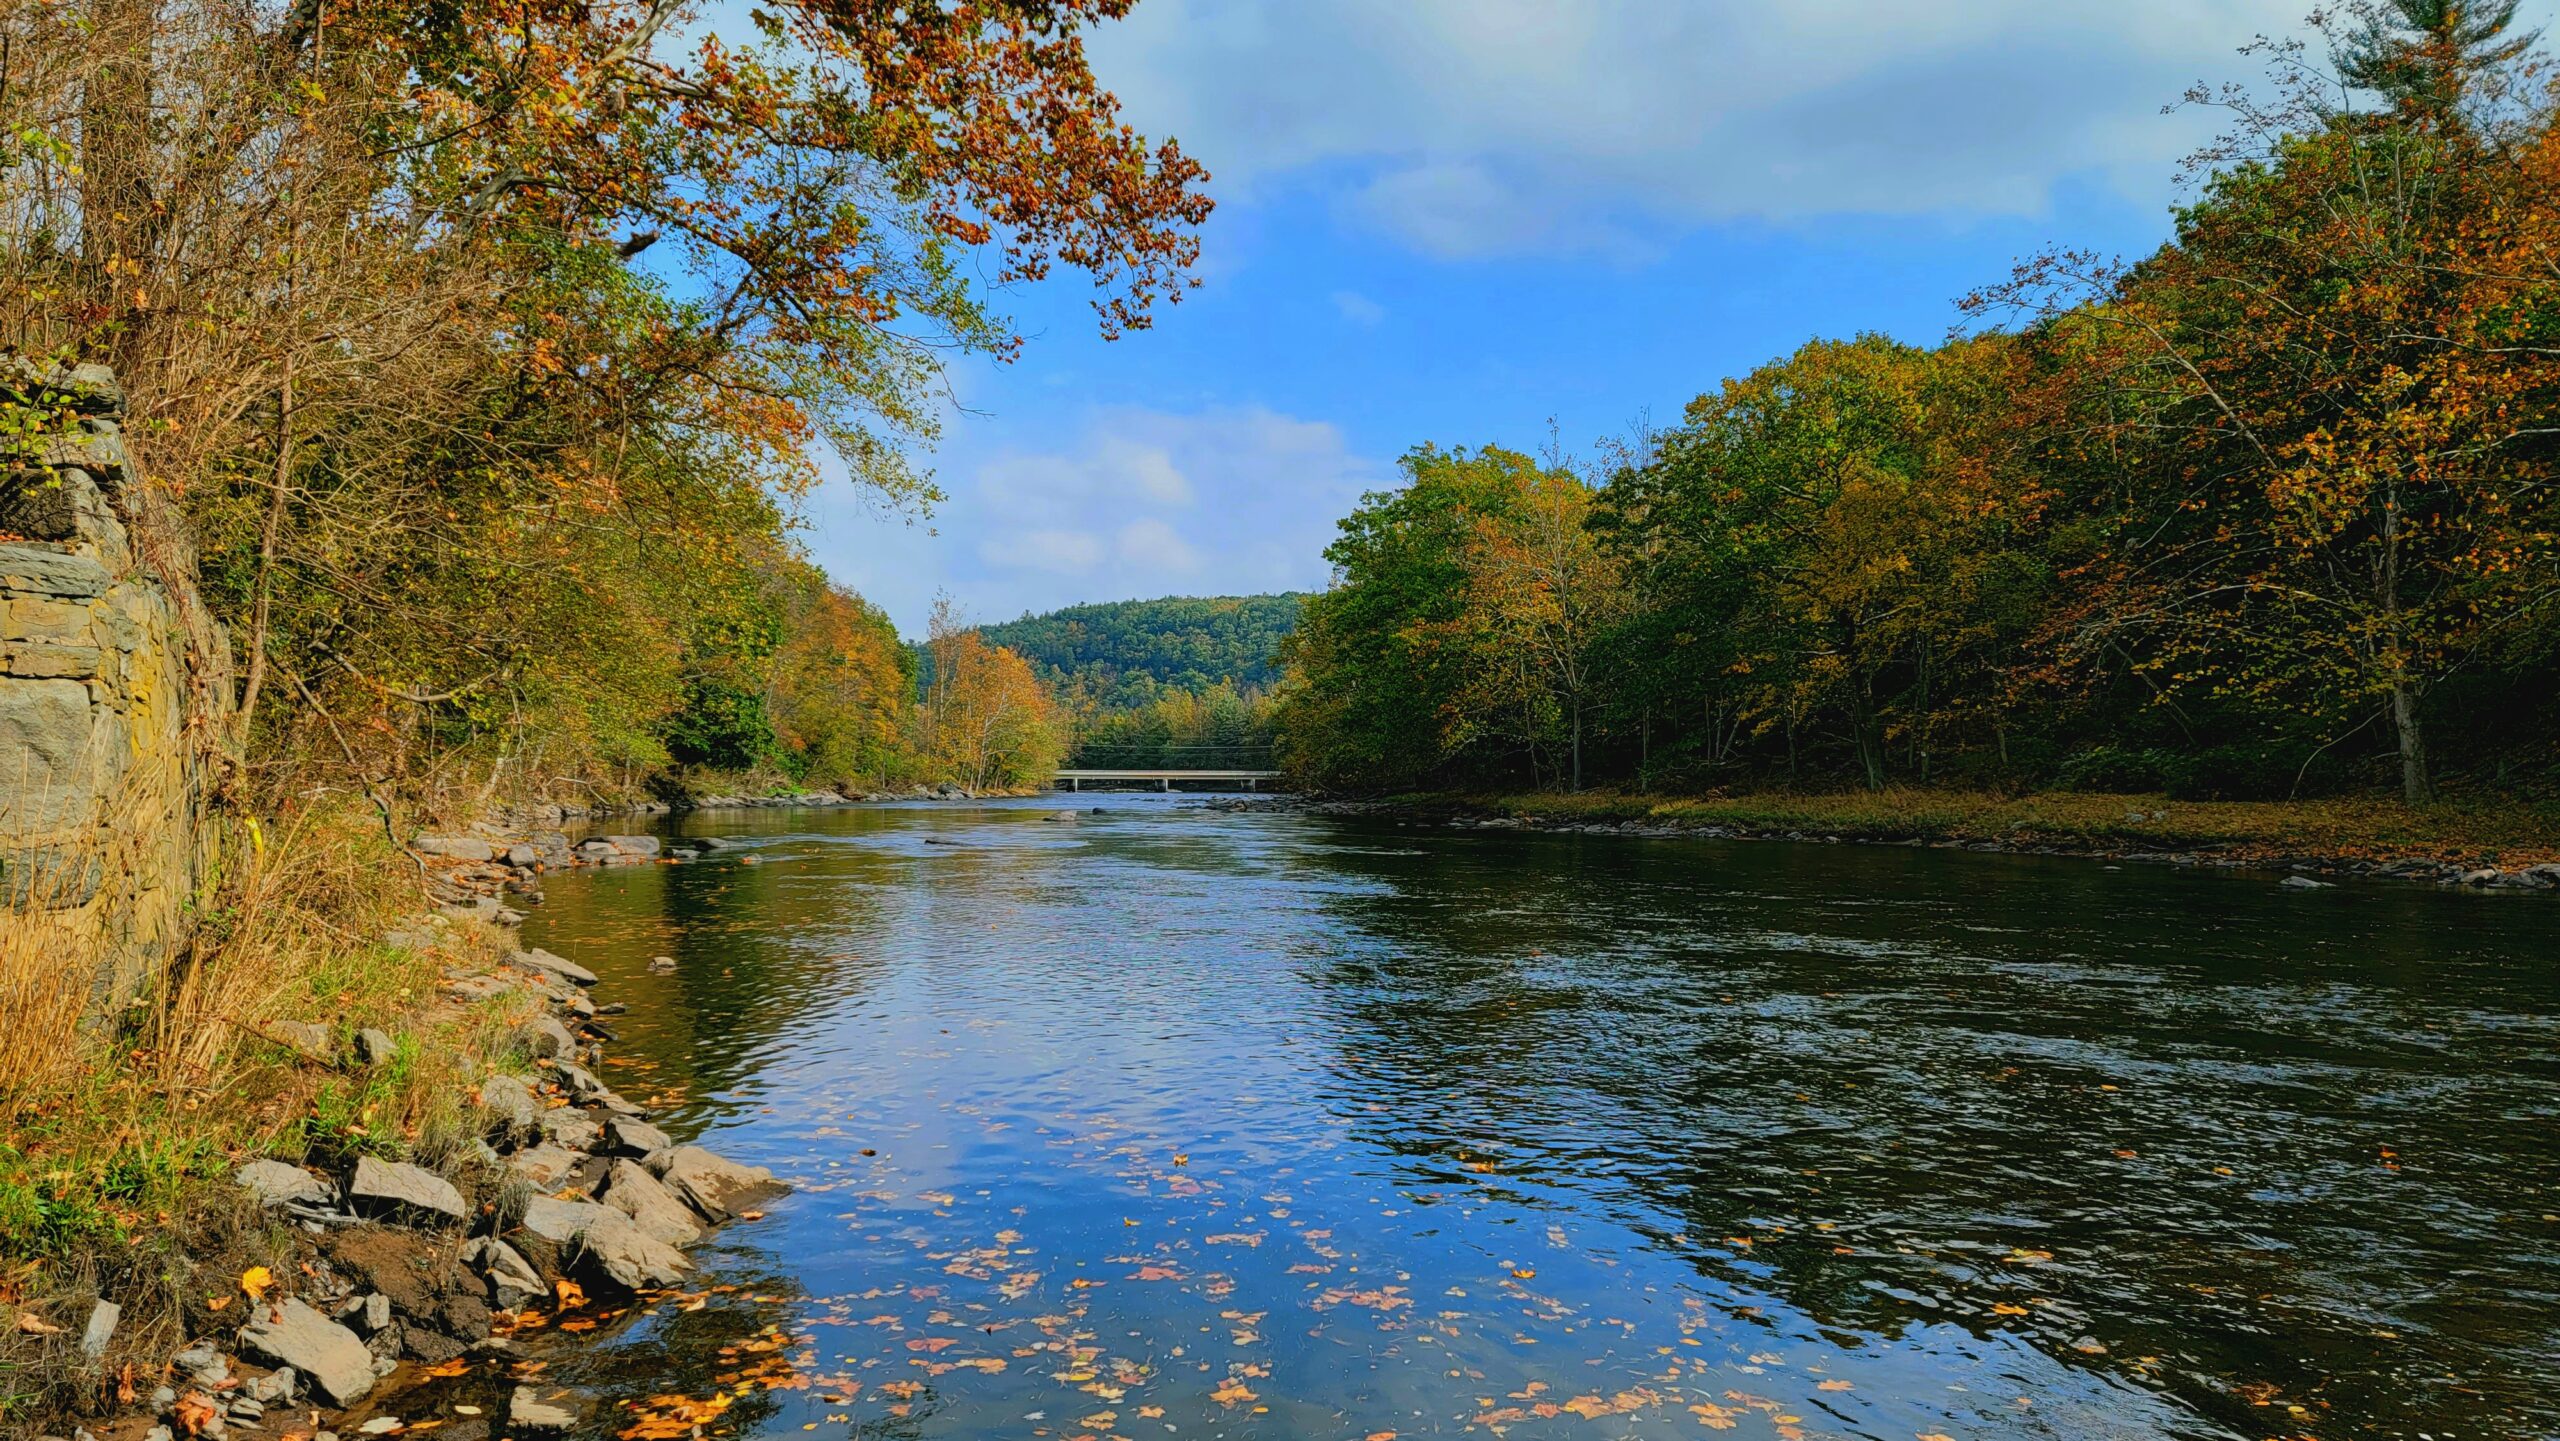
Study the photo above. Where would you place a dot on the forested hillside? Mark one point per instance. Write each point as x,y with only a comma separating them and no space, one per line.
2269,512
1124,654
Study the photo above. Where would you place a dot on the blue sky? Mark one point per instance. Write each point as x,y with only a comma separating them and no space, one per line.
1463,221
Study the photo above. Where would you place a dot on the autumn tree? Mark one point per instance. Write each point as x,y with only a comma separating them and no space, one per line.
986,720
2323,411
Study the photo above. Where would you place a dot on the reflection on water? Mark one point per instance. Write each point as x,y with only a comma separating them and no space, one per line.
1163,1120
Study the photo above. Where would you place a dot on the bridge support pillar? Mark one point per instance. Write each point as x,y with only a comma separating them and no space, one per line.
1074,784
1165,785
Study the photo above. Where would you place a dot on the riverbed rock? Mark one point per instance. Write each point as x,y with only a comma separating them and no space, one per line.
626,1136
558,1221
650,1205
716,1187
288,1333
542,960
544,1409
277,1184
2303,883
384,1187
634,845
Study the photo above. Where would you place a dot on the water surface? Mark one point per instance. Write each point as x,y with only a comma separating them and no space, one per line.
1166,1122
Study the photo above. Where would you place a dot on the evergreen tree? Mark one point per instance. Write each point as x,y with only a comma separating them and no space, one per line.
2424,54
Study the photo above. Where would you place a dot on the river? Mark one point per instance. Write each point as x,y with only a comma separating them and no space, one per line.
1165,1121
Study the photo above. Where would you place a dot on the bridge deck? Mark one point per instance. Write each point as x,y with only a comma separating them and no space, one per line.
1076,778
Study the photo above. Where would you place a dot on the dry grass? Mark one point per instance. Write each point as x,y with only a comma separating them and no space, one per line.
118,1136
2501,833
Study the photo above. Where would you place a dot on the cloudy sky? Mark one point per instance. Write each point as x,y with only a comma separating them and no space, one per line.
1486,221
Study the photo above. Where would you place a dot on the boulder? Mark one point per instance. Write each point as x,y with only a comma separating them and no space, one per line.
277,1184
560,1222
542,960
512,1101
512,1280
634,845
2303,883
650,1205
389,1186
714,1186
375,1046
545,1165
572,1129
545,1036
624,1136
288,1333
460,848
609,1241
628,1256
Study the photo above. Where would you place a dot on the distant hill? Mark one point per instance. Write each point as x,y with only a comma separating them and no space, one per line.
1126,653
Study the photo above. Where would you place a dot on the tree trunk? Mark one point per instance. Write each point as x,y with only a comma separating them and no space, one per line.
2416,786
1577,745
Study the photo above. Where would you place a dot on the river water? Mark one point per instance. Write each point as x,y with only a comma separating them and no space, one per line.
1171,1122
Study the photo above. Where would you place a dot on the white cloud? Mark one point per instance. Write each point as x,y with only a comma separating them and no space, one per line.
1359,309
1152,544
1131,502
1474,127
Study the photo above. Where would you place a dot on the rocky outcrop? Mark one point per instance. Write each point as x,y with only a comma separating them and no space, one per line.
111,690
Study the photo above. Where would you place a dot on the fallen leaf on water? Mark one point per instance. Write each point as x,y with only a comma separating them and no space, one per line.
1832,1386
1381,1436
1231,1392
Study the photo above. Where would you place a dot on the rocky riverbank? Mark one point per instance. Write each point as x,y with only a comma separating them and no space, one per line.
2187,834
353,1282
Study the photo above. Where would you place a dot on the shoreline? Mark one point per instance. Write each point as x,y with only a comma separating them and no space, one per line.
337,1288
2311,844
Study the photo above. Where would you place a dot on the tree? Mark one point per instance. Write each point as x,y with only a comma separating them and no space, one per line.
986,719
2423,55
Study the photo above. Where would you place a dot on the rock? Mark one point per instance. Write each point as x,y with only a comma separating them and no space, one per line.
375,1311
386,1186
634,845
247,1408
650,1205
100,1330
309,1039
2302,883
624,1136
2480,877
512,1102
277,1184
542,960
661,965
375,1046
544,1408
716,1187
460,848
559,1222
195,1357
545,1036
523,858
629,1256
584,1082
512,1279
572,1129
611,1241
273,1388
289,1333
380,1426
545,1165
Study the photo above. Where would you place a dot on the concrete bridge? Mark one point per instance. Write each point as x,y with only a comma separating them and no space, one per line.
1165,780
